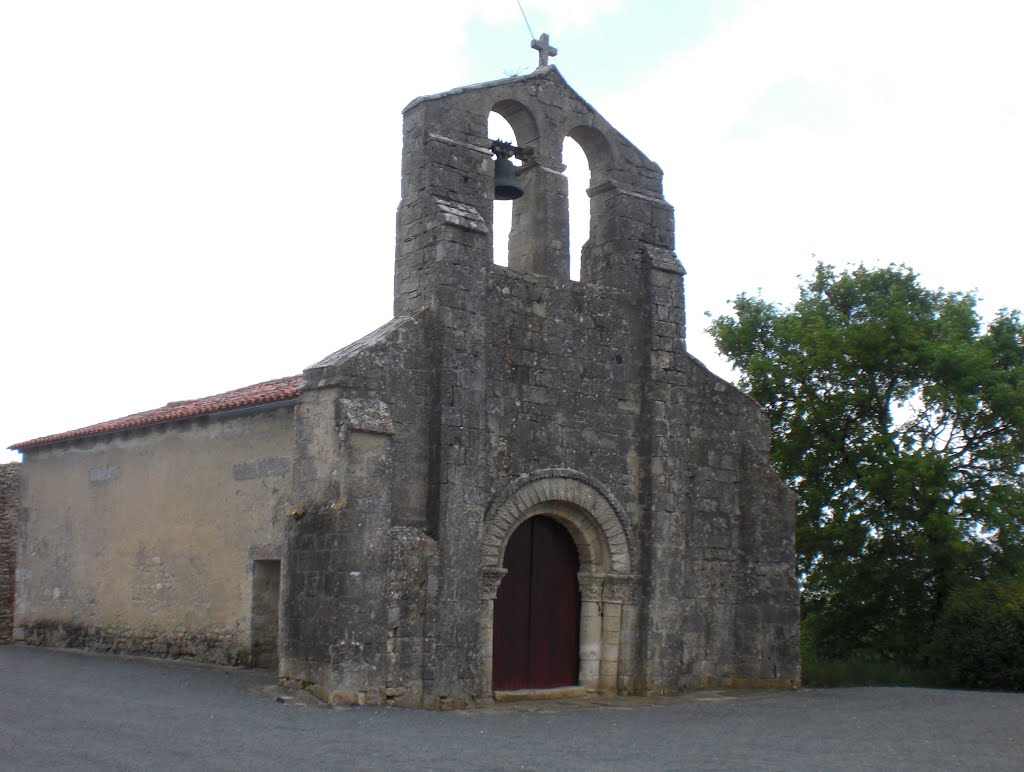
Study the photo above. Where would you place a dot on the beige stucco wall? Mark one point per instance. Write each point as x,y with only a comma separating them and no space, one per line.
144,542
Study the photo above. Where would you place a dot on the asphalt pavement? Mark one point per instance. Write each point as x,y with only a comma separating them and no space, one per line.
68,710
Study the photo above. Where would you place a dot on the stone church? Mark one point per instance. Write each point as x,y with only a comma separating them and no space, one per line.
522,485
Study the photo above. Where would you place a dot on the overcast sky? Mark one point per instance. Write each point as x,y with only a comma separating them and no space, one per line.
196,196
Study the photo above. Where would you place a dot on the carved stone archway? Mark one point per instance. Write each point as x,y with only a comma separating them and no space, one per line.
608,583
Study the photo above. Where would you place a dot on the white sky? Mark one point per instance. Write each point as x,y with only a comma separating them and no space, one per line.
196,196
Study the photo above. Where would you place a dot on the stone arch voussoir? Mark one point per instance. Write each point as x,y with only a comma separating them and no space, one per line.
520,118
599,151
587,508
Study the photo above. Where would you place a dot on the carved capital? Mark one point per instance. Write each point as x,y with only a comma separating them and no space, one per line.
591,587
491,581
620,588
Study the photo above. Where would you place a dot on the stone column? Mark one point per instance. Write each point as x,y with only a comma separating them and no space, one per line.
489,586
623,593
616,588
590,630
539,242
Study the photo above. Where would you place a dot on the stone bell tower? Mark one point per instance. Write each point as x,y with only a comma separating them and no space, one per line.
523,481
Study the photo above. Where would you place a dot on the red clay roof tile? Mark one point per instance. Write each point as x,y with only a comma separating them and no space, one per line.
257,394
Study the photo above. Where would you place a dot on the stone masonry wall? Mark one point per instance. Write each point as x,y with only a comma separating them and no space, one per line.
508,342
571,384
360,547
537,372
145,542
490,377
10,500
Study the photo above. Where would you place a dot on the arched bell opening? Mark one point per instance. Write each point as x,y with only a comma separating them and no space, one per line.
589,201
498,127
538,241
520,119
577,173
512,122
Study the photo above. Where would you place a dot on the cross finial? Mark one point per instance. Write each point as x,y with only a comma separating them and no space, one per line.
544,48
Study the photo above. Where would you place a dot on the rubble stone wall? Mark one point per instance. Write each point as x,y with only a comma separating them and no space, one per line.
10,499
361,544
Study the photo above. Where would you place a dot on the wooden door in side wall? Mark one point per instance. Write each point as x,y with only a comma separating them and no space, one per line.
537,611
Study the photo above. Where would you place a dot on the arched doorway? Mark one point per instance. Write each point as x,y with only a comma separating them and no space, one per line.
604,546
537,609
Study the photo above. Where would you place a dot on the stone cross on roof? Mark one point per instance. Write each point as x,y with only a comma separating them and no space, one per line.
544,48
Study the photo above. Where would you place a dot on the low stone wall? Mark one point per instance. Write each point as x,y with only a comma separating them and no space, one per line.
219,647
10,498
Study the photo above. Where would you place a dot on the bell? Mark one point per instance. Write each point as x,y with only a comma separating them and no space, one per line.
506,186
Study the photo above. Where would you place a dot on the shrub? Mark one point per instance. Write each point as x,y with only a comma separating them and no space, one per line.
979,640
862,672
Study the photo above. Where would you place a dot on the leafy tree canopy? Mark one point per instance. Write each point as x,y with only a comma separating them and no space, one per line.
899,421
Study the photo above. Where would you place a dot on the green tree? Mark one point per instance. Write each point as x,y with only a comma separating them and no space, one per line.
900,424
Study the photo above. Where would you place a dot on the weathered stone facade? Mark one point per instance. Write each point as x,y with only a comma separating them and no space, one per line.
10,484
497,394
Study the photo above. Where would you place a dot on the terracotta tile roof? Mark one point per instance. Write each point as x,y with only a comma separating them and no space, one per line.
257,394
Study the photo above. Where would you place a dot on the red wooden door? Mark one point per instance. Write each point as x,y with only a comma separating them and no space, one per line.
537,611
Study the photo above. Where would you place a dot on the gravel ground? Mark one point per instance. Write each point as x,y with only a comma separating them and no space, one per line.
68,710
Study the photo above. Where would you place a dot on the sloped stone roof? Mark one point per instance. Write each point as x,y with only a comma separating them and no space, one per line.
258,394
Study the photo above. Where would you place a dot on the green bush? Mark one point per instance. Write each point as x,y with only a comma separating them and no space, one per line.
862,672
979,640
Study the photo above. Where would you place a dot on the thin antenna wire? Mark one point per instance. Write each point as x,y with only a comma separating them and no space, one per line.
526,20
